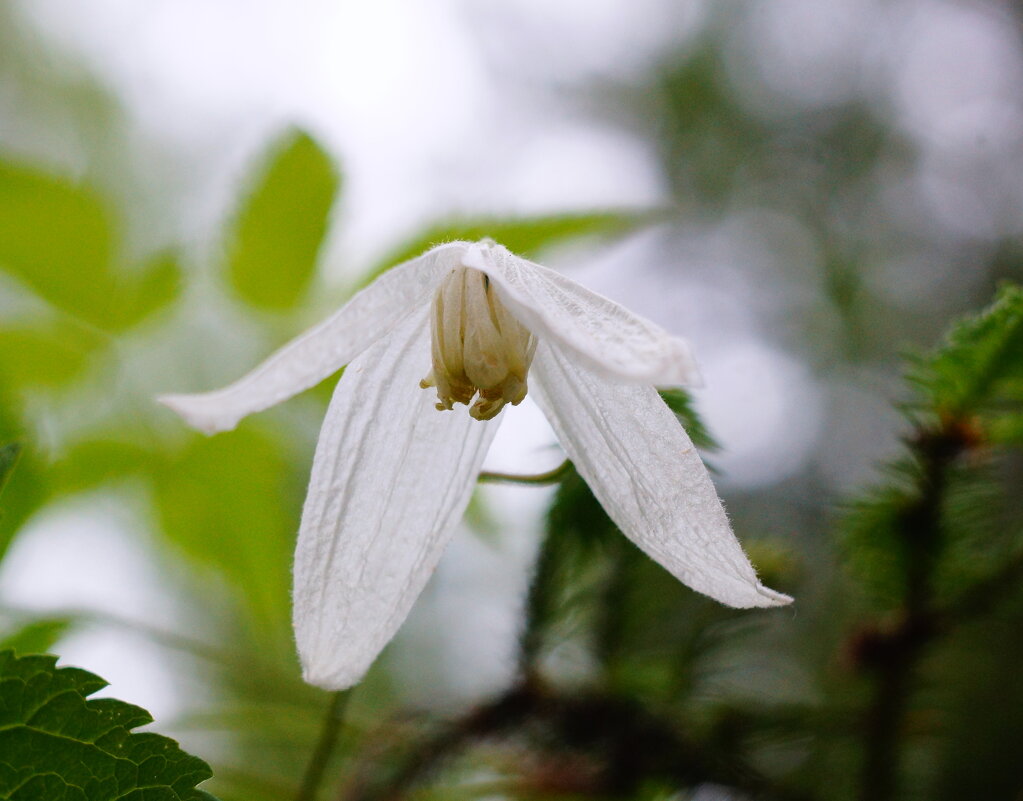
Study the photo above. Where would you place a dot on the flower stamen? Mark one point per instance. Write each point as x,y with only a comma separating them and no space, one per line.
479,349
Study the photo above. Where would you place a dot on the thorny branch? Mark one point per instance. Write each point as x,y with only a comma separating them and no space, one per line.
592,744
891,653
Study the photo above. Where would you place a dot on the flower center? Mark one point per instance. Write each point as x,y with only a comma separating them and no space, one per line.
478,347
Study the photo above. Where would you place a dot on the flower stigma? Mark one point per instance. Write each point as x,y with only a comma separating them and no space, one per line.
479,348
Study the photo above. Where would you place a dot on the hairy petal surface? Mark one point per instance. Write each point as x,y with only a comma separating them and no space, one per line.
390,481
608,338
323,349
646,473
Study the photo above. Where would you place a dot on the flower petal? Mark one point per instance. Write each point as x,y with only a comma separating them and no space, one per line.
644,470
323,349
609,338
390,481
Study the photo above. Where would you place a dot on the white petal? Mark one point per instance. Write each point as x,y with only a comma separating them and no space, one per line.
609,338
324,349
644,470
391,479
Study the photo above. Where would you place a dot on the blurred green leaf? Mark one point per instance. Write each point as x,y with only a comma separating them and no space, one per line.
26,487
981,360
882,529
56,238
226,502
702,125
281,225
877,549
24,494
1006,429
681,403
92,463
526,236
646,629
8,458
977,542
84,466
981,696
56,745
157,285
568,569
951,518
35,636
45,355
578,520
586,562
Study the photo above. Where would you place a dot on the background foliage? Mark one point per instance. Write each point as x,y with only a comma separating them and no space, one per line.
894,676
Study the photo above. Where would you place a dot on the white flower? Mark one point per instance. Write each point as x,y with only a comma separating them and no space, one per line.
392,474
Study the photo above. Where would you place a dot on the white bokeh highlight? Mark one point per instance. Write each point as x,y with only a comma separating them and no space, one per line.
88,555
763,408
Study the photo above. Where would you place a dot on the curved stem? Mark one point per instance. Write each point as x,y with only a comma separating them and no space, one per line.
540,479
324,750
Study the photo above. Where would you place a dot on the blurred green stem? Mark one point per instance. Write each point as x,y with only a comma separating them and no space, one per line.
329,733
8,459
895,654
540,479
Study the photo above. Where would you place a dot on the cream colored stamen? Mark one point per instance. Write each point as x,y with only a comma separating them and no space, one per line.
479,348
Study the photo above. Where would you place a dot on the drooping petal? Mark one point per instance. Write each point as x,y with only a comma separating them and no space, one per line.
610,339
391,478
323,349
644,470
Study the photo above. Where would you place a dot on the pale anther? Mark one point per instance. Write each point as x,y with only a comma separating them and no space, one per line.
480,351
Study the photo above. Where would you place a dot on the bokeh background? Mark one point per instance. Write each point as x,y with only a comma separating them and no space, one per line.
808,190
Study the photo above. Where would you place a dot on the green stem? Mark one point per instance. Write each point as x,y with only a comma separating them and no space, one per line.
540,479
324,750
901,650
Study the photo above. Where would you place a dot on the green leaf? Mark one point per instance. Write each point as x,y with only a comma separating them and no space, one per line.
55,237
45,356
681,403
938,510
92,463
578,533
526,236
1006,429
26,487
873,530
35,636
8,458
280,227
57,745
643,625
227,502
156,286
982,361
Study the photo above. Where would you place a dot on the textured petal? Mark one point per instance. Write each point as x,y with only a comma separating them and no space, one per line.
324,349
646,473
608,338
391,479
